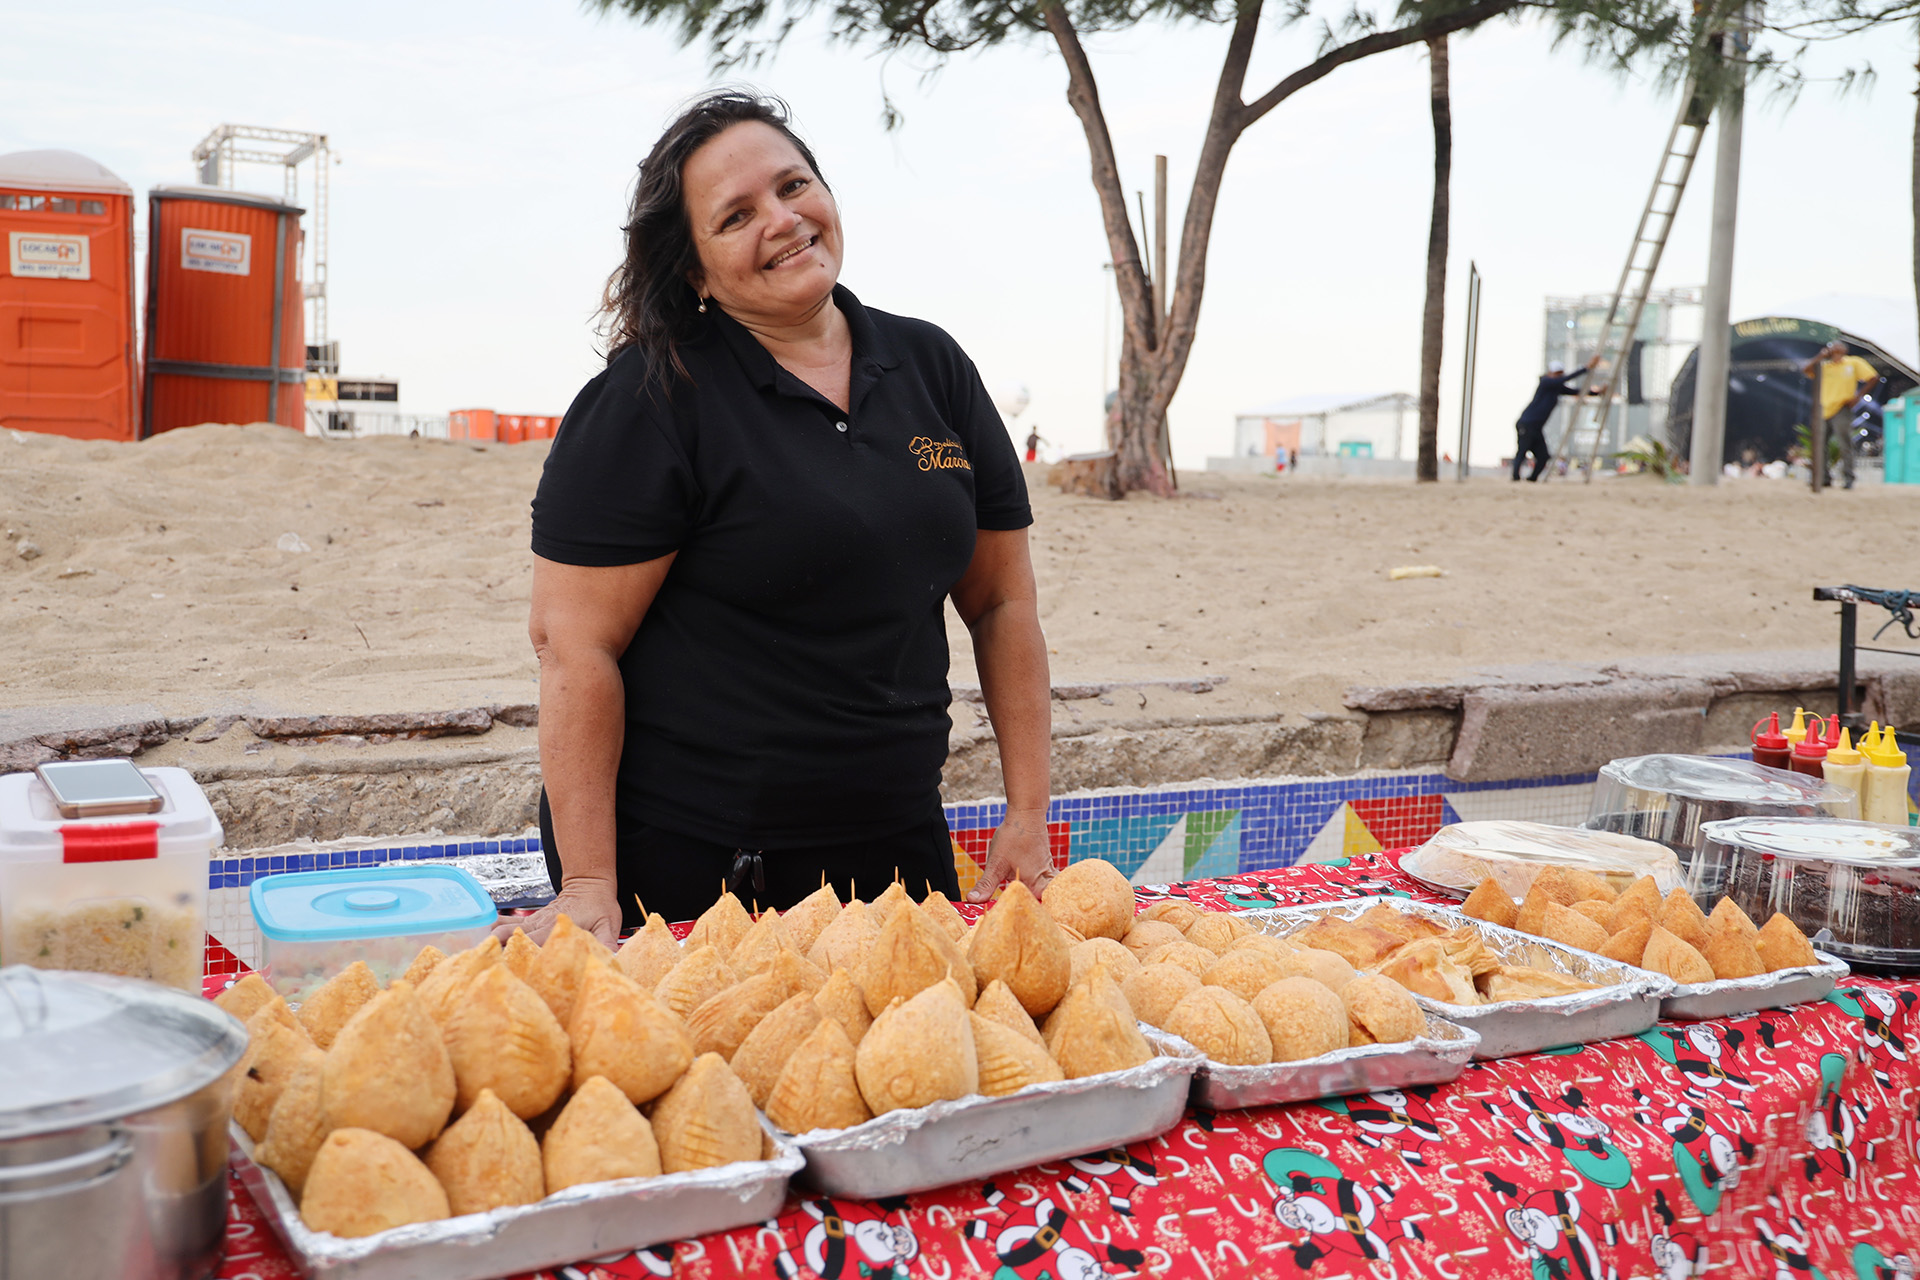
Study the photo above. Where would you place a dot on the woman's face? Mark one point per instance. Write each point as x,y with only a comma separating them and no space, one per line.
765,227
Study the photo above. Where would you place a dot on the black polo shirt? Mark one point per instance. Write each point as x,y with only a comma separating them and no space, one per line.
788,687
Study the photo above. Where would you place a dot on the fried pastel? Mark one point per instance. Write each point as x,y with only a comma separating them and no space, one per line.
1426,968
699,976
706,1120
1361,946
244,998
1380,1011
1399,923
1726,913
1173,911
1518,982
721,926
563,961
442,989
1490,902
297,1126
423,964
910,955
1630,942
488,1159
758,946
1569,928
362,1182
520,955
1668,953
389,1070
276,1054
1303,1019
1681,916
1330,970
1105,952
817,1088
621,1033
842,1000
330,1008
1245,973
1088,1037
809,916
1092,897
764,1053
1017,942
844,943
1223,1026
917,1052
944,915
998,1004
1732,954
503,1037
598,1137
1532,915
1782,946
1008,1062
650,954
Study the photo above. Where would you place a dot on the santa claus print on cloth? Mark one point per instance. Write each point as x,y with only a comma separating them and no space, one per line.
1833,1128
1547,1224
1585,1141
1787,1249
1677,1255
1042,1240
1403,1115
1117,1173
1885,1020
845,1240
1337,1214
1705,1052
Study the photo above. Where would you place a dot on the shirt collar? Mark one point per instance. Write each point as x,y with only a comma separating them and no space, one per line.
871,351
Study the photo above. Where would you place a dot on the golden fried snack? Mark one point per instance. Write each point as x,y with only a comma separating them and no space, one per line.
764,1053
842,1000
1559,885
1104,952
723,1021
502,1036
1073,936
1490,902
388,1070
954,951
1782,946
488,1159
1093,897
1221,1025
598,1137
758,946
297,1126
1245,973
1641,898
520,955
700,976
423,964
1007,1060
891,899
910,955
1182,954
1587,887
1630,943
363,1182
1465,946
1518,982
797,973
1215,931
918,1051
706,1120
1328,969
650,954
1426,968
1173,911
1668,953
244,998
1018,943
1303,1019
441,991
998,1004
274,1011
1400,924
1156,989
810,916
1379,1011
327,1010
1681,916
942,913
844,943
1532,915
1569,928
1087,1036
721,926
1361,946
563,961
1726,913
1595,910
621,1032
272,1059
1732,954
1265,943
817,1088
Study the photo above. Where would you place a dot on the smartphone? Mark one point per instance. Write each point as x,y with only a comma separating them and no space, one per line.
98,788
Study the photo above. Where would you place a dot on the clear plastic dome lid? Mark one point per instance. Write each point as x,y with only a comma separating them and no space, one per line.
1717,779
1819,839
83,1048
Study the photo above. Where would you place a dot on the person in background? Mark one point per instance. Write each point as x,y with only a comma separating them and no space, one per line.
1844,380
1532,425
1033,445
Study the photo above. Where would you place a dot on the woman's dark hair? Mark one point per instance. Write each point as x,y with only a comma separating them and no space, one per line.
648,302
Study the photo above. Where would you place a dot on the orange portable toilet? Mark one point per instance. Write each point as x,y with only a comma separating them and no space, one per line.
226,322
541,428
66,299
471,424
513,428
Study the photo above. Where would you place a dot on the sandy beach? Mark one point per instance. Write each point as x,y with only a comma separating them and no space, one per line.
248,568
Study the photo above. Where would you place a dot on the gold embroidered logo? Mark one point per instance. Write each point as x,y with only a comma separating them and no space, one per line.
939,455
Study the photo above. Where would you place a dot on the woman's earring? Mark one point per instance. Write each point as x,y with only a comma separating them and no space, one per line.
703,306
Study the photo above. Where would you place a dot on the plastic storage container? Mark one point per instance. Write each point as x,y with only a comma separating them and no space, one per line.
1858,880
313,924
1667,798
1460,856
107,895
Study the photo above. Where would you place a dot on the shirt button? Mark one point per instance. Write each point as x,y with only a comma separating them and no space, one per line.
839,426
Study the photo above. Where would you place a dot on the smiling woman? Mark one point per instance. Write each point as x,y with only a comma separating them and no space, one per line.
744,540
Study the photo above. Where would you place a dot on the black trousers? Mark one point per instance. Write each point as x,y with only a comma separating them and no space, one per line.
680,876
1533,439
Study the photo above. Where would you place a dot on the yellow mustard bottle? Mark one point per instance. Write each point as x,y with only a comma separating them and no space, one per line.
1884,799
1845,766
1797,734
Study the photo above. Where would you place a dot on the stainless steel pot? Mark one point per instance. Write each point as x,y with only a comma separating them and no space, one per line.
114,1098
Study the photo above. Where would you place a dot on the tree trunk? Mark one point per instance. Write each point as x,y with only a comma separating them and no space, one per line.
1433,322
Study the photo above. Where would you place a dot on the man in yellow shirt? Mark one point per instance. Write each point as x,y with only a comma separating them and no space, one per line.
1843,380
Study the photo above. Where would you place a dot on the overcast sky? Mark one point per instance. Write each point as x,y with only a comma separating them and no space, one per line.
487,150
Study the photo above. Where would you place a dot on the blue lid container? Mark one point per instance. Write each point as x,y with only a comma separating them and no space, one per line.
369,902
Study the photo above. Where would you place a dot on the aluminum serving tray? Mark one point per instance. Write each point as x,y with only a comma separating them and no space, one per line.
581,1222
1625,1002
1697,1001
1439,1054
972,1138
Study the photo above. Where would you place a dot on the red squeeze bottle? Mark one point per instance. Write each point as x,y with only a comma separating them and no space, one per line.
1810,756
1769,744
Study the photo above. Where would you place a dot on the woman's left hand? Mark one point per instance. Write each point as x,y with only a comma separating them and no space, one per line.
1019,849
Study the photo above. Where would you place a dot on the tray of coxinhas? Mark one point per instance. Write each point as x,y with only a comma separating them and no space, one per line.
1721,963
1520,994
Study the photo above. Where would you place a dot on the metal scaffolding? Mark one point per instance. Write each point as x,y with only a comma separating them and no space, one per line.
1576,330
230,145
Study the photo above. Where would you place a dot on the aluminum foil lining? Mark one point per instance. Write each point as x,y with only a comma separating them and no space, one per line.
508,877
1625,1000
1725,997
1437,1055
581,1222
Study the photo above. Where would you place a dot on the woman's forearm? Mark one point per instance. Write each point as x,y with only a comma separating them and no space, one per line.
582,728
1011,654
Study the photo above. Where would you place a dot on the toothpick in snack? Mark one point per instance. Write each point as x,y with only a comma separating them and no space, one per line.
642,905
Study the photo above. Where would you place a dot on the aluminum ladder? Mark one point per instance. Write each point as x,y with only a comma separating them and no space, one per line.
1636,279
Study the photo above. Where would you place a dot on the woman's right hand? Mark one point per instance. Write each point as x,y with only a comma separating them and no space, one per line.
592,904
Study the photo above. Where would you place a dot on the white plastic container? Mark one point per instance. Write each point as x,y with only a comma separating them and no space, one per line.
313,924
117,895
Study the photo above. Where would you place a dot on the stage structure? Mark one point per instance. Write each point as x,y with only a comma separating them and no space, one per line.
221,152
1668,331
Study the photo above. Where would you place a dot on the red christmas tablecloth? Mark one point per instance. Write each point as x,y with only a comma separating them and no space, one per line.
1775,1145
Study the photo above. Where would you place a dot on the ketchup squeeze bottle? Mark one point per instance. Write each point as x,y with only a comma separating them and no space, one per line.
1810,753
1770,746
